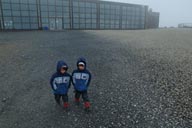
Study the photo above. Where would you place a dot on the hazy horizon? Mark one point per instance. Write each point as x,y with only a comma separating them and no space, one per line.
172,12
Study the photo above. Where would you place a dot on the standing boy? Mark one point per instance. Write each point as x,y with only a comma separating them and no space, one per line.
60,83
81,80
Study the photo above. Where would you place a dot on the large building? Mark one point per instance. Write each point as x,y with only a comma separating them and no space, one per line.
185,25
152,19
71,14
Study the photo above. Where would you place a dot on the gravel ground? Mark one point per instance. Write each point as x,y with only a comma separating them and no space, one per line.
141,79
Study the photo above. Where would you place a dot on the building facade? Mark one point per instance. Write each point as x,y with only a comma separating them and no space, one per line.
152,19
185,25
70,14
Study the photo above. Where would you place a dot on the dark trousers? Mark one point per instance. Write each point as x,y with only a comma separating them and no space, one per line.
59,96
84,95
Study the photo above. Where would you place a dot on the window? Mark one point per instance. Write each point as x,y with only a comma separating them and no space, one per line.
16,13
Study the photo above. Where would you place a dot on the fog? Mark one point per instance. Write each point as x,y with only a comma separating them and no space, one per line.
172,12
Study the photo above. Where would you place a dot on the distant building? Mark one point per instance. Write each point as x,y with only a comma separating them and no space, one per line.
74,14
185,25
152,19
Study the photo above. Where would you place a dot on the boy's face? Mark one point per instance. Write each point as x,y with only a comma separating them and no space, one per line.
63,70
81,67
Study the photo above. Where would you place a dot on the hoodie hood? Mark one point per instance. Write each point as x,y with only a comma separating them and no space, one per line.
60,64
83,60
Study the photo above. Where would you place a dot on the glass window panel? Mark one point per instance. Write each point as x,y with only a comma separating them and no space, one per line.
94,10
33,13
44,14
16,13
66,20
82,4
59,9
102,26
66,26
8,24
32,7
25,19
88,25
43,2
13,1
82,15
107,6
17,26
88,5
94,26
26,26
76,15
93,5
52,14
59,14
82,10
88,15
33,20
75,9
94,16
51,2
76,26
5,1
82,26
32,1
88,10
102,6
24,7
8,18
66,3
66,14
66,9
15,7
44,8
75,4
59,2
24,13
51,8
6,6
82,20
34,26
24,1
94,21
76,20
7,12
17,19
101,21
45,25
45,20
88,20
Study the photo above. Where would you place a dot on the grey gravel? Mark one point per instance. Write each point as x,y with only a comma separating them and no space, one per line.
141,79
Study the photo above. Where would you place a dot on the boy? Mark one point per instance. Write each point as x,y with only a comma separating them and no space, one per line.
81,80
60,83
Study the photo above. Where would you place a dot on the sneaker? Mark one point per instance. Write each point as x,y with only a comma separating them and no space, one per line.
87,106
66,106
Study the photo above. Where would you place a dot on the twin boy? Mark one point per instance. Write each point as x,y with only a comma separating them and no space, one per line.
61,82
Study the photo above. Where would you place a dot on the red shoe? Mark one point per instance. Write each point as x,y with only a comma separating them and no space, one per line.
87,106
66,105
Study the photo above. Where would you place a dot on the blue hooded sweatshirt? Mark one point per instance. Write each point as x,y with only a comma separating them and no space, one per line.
81,78
59,82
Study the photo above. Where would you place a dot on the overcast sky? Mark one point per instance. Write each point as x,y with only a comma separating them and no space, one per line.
172,12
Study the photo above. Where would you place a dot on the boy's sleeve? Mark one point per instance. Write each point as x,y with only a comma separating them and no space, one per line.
72,79
90,77
53,85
